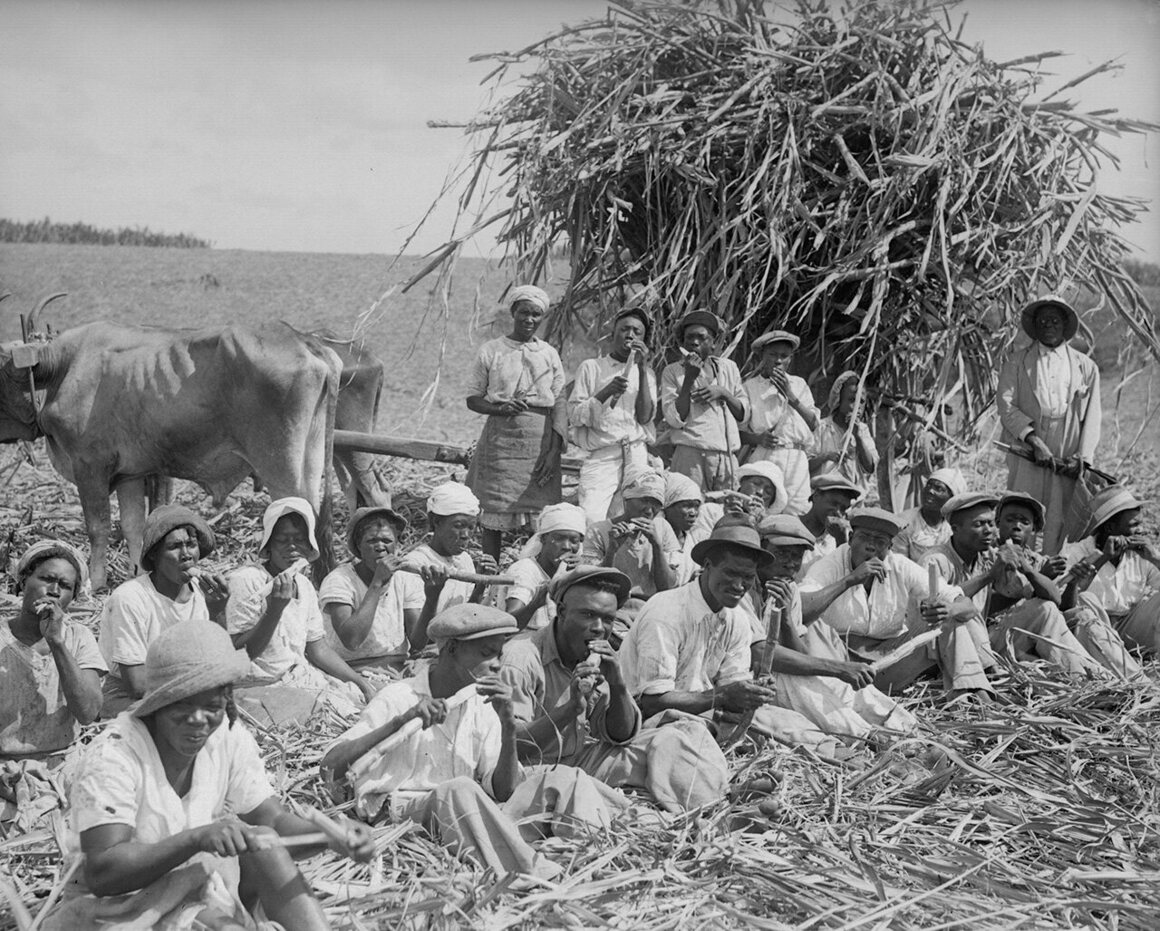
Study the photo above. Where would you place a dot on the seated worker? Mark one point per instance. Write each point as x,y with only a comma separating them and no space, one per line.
639,542
571,710
273,614
1029,617
174,589
831,497
1116,570
688,654
924,527
877,600
856,459
459,775
703,402
371,609
172,811
782,417
833,694
554,548
50,667
1019,518
762,483
684,510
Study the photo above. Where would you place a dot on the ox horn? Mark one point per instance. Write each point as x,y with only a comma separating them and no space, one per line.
32,317
5,296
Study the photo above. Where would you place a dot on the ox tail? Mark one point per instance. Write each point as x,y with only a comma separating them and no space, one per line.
327,557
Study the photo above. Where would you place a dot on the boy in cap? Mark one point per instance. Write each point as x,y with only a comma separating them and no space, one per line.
878,601
782,417
703,401
924,526
1049,400
572,705
1116,569
831,497
1028,616
458,774
611,411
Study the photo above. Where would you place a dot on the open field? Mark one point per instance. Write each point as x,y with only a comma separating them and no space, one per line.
1043,812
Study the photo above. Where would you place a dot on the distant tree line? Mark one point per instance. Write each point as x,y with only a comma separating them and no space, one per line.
1147,274
85,234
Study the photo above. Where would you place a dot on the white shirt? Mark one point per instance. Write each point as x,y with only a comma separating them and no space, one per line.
634,557
823,546
1118,588
679,643
387,638
454,592
505,370
918,537
769,410
1052,379
595,425
882,613
529,576
300,624
135,615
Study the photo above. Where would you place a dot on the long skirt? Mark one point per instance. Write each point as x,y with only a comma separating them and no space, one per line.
501,469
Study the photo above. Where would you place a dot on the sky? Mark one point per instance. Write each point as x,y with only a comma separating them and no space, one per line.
302,125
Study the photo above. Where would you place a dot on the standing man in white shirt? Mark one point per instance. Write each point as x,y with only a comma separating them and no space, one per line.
611,411
1049,399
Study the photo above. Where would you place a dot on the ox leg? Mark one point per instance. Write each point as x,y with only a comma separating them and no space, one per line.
94,497
158,491
131,501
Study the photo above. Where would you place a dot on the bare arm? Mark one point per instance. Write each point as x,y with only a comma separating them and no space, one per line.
81,687
646,403
134,679
321,654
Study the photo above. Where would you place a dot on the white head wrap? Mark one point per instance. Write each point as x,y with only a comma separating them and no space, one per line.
952,478
680,487
554,517
529,292
772,474
453,498
645,485
279,509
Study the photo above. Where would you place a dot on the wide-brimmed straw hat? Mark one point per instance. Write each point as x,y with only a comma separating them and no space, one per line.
1070,321
737,536
1113,500
164,520
188,658
360,518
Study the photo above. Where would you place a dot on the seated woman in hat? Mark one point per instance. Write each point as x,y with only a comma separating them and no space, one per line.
518,383
172,813
855,460
458,774
782,417
554,548
174,589
924,527
50,667
273,611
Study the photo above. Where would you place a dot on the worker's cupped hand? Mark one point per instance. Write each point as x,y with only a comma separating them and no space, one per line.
546,466
770,440
609,664
856,675
570,560
934,612
780,380
873,568
781,591
512,408
1039,450
1083,572
614,389
1054,566
585,678
485,564
742,696
385,567
229,838
434,577
216,591
51,617
430,711
1115,547
1145,547
498,694
281,590
708,394
358,844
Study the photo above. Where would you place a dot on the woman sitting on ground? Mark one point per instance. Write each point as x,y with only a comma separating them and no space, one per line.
174,589
50,667
173,812
273,609
556,543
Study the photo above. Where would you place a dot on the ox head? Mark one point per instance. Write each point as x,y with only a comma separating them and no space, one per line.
17,361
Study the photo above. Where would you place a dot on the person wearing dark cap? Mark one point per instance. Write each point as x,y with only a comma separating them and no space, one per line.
572,705
458,773
703,401
1019,517
782,417
1115,569
1049,401
611,411
877,601
173,589
831,497
1017,602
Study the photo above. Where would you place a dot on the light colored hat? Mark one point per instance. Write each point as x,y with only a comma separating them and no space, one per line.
705,318
562,516
972,499
771,473
777,336
471,622
738,535
276,510
785,530
1113,500
952,478
360,518
834,481
529,292
453,498
1070,317
1033,504
559,586
680,487
48,549
164,520
645,485
188,658
876,520
837,386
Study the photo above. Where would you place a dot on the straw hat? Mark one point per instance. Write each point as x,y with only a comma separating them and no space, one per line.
362,516
1113,500
188,658
164,520
735,536
1070,317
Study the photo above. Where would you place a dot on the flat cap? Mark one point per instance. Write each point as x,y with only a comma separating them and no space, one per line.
1033,504
471,622
777,336
705,318
606,574
876,520
834,481
785,530
972,499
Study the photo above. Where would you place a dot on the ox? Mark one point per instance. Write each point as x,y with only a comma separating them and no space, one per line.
119,403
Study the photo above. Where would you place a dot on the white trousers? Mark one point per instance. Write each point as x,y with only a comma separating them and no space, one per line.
602,475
